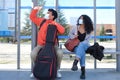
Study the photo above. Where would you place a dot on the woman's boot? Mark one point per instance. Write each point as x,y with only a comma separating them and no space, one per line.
75,67
82,76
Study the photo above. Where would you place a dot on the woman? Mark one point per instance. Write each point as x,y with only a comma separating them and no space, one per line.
83,31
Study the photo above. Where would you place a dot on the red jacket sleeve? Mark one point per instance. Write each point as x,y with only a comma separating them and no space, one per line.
33,16
60,28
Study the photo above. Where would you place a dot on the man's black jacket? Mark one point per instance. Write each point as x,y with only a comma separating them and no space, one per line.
96,51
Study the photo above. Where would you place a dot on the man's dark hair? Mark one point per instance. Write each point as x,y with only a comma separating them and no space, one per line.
54,13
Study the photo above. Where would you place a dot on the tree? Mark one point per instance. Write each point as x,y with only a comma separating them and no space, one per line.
62,20
27,28
102,33
41,3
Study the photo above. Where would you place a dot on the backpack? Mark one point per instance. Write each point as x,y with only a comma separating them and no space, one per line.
46,61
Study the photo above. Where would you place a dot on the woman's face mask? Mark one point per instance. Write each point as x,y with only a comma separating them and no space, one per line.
46,16
80,21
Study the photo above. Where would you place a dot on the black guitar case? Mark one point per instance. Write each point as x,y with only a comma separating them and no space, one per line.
46,65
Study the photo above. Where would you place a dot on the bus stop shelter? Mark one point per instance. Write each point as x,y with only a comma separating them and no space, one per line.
92,74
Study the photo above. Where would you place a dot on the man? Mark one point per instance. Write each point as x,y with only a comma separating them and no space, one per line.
41,38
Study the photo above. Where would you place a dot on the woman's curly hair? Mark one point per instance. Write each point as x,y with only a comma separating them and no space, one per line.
87,22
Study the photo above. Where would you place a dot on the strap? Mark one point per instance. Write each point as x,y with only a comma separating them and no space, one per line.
42,23
57,40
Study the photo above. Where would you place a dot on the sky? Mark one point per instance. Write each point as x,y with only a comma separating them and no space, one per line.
103,16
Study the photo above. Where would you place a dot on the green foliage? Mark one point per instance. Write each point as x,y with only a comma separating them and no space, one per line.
102,33
41,3
62,20
27,28
6,39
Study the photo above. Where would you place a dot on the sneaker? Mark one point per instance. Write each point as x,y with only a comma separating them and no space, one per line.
31,75
59,74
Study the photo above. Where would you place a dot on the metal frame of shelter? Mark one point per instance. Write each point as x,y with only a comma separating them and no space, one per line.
117,10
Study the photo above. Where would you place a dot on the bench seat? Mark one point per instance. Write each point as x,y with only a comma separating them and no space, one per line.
106,51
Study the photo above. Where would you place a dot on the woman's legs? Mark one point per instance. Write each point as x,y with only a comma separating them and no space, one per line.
80,56
81,51
82,76
74,66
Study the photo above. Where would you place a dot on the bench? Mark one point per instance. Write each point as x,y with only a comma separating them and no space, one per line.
106,51
72,54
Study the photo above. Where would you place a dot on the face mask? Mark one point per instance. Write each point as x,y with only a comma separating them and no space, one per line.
80,21
46,16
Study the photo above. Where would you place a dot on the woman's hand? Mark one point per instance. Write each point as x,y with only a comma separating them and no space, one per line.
75,36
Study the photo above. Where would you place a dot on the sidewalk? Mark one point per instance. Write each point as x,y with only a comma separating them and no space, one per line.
67,74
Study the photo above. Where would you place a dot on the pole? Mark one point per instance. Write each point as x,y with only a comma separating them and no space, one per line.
15,33
56,8
56,5
18,34
15,36
117,4
34,31
95,63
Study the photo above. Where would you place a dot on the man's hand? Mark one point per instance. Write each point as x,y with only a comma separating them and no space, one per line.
38,8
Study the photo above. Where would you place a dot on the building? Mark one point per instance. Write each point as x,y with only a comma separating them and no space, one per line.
109,29
7,14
